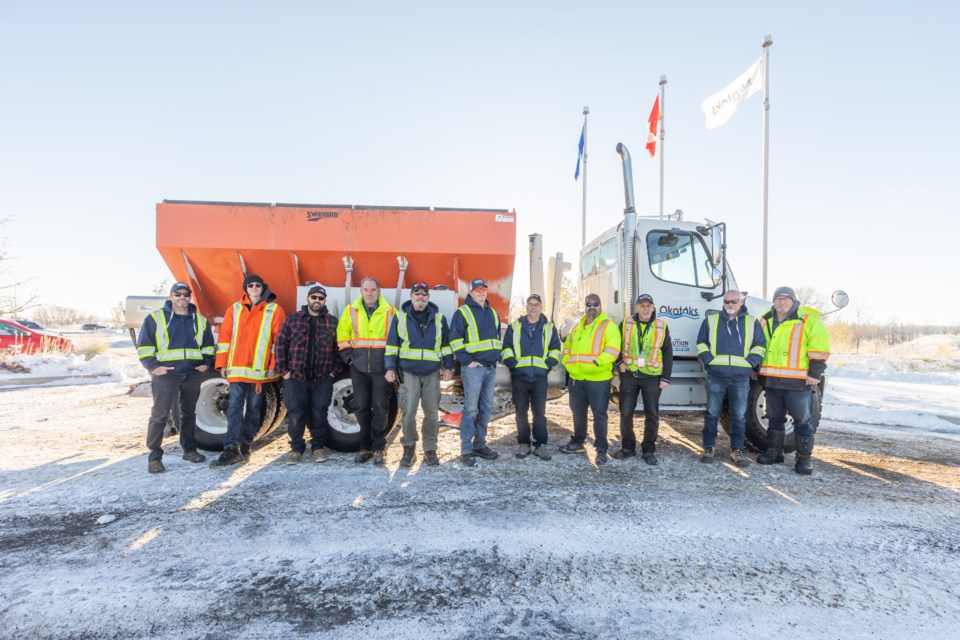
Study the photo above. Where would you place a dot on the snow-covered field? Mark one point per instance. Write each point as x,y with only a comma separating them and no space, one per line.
869,546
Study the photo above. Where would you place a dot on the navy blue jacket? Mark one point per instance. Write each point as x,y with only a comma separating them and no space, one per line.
425,338
487,326
182,332
531,345
731,334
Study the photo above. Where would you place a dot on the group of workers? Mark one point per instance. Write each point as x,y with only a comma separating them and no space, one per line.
414,347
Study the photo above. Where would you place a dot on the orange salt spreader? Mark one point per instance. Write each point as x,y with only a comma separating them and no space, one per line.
213,245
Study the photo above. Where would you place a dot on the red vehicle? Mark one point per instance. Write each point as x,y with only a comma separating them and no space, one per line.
20,339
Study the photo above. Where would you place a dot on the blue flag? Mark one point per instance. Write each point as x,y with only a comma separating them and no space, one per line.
576,174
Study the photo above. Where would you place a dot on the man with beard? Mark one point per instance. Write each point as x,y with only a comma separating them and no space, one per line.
308,362
589,354
645,367
245,357
176,347
418,346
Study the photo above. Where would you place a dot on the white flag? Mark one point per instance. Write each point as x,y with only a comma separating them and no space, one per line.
720,106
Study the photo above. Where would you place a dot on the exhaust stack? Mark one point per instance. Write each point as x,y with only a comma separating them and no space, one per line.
629,230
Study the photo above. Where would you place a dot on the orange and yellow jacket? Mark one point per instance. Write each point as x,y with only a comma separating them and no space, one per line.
591,349
245,346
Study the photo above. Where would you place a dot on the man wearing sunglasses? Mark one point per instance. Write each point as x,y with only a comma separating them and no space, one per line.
246,358
176,347
589,353
730,345
308,361
418,346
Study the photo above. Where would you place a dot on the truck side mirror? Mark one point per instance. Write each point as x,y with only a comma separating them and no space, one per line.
840,299
716,239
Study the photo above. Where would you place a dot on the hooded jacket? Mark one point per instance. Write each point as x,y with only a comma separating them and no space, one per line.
485,346
421,353
246,344
797,348
590,350
730,348
168,339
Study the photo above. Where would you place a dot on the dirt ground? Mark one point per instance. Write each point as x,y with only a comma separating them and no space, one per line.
869,546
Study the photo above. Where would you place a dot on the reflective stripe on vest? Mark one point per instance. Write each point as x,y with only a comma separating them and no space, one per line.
728,360
595,348
648,358
367,342
405,352
797,359
474,344
256,371
164,353
531,361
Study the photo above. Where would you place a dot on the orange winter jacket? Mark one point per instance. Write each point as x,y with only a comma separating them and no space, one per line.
245,346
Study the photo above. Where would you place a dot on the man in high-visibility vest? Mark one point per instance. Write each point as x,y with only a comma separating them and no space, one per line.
646,364
475,340
589,354
245,357
531,348
730,345
797,350
418,347
176,347
362,337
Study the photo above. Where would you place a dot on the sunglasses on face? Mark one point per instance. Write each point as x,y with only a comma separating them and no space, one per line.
181,295
255,285
593,305
420,293
320,298
731,301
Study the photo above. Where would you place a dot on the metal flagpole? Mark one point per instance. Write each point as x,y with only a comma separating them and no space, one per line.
767,41
663,82
583,228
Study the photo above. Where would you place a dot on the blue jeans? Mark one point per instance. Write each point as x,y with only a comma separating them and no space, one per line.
308,402
596,395
737,389
479,385
242,426
796,402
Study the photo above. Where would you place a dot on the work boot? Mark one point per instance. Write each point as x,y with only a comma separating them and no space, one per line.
194,456
378,457
601,458
155,466
407,459
707,456
804,464
431,458
572,447
623,454
736,456
486,453
650,458
319,455
774,452
231,455
245,451
541,452
294,457
468,460
523,451
362,456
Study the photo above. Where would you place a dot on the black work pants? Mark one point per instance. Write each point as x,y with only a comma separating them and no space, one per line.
371,399
308,402
165,389
531,395
646,388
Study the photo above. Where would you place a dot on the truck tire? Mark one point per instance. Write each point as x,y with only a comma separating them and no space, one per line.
344,429
212,411
756,424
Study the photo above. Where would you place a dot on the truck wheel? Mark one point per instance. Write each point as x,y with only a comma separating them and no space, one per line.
212,411
344,429
757,418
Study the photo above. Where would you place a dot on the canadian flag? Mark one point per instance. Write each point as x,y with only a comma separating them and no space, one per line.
652,123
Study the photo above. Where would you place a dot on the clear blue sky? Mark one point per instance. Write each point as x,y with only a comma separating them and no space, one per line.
109,107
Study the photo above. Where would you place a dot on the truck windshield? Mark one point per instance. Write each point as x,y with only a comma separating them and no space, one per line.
680,257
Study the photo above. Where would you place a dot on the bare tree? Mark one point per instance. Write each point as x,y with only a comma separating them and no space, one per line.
161,288
861,312
118,314
12,299
810,297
